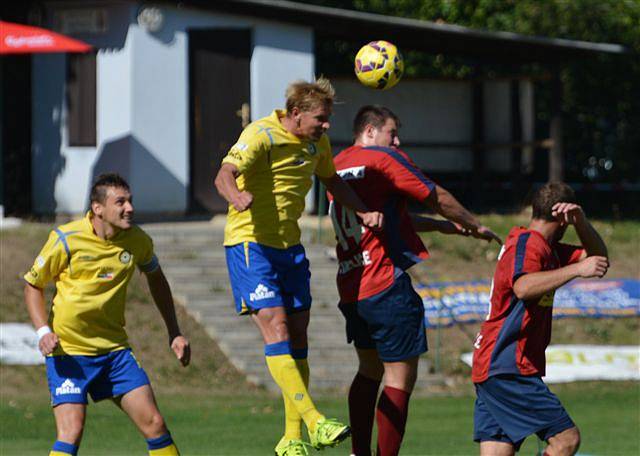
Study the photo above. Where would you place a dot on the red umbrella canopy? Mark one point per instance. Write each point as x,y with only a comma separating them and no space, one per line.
25,39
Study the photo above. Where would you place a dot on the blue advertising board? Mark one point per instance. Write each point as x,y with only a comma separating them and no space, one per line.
448,303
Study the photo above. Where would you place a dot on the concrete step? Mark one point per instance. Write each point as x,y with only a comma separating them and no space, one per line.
193,259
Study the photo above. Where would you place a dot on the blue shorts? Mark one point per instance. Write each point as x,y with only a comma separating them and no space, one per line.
264,277
391,322
71,377
511,407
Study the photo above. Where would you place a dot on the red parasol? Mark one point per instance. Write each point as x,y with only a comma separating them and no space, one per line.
25,39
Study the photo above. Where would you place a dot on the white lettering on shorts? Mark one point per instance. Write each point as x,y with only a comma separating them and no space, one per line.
261,292
67,387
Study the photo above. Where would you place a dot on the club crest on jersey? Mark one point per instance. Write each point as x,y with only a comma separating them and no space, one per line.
312,150
124,257
355,172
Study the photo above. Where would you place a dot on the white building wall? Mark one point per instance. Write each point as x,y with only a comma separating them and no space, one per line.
439,112
143,104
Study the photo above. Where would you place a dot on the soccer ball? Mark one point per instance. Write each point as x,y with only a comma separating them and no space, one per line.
379,65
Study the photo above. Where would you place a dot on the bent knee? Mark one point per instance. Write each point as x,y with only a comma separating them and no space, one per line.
154,426
567,443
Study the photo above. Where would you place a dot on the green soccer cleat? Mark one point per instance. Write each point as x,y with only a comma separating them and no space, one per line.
291,447
328,433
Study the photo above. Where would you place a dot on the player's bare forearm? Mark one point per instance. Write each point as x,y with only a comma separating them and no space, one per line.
427,224
590,239
34,300
227,187
161,293
536,284
445,204
572,213
343,193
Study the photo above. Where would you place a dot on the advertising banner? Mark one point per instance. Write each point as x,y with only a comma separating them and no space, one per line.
447,303
19,344
569,363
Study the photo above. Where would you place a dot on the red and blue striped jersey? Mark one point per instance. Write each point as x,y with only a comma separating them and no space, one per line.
516,333
385,179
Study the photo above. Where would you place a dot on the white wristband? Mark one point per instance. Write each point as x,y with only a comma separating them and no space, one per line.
42,331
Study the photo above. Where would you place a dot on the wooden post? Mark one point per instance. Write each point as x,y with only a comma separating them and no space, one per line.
516,139
556,154
477,149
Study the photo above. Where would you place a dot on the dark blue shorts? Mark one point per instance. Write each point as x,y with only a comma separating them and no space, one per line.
264,277
511,407
72,377
392,322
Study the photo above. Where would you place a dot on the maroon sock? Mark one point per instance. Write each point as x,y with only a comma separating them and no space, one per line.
362,405
393,408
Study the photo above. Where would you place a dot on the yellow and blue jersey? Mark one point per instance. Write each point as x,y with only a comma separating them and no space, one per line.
275,167
91,277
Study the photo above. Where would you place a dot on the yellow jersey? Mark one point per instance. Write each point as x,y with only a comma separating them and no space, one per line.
91,277
275,167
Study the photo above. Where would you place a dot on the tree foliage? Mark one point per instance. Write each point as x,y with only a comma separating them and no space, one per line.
601,95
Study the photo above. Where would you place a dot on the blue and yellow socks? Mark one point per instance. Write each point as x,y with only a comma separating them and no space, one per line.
292,419
63,449
286,373
162,446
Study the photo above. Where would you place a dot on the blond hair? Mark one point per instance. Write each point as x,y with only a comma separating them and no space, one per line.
307,96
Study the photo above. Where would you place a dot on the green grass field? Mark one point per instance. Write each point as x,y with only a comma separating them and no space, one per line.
210,424
208,416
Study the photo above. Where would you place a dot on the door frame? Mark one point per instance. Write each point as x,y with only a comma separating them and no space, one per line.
193,206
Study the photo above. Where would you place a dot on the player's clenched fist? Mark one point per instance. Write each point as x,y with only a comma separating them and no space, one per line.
48,343
373,220
593,266
182,349
242,201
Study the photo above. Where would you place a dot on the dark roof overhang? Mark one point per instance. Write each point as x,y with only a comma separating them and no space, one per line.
426,36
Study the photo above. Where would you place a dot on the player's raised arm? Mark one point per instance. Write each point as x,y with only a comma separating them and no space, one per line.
161,293
345,195
445,204
570,213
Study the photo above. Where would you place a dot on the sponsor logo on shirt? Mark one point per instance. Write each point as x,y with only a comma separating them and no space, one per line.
67,387
357,261
356,172
125,257
86,258
235,155
261,292
105,273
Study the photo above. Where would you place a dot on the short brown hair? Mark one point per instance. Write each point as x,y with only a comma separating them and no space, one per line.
548,195
307,96
372,115
104,182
